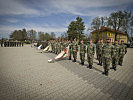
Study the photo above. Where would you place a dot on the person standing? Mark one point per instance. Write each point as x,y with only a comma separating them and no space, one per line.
97,49
123,51
1,43
90,53
70,47
107,56
74,49
82,52
115,55
100,52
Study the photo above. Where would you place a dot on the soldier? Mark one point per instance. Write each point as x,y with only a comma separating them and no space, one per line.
115,55
82,52
1,43
90,53
97,49
5,44
74,49
70,47
107,56
123,51
59,47
100,52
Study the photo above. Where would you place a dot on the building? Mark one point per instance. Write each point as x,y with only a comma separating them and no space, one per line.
106,32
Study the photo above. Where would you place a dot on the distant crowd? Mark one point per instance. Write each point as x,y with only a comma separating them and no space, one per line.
11,44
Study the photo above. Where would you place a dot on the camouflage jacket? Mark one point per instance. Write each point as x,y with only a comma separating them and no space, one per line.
107,50
100,48
97,46
123,49
116,50
82,48
75,47
90,49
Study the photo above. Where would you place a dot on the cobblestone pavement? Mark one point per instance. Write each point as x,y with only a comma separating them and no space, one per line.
26,74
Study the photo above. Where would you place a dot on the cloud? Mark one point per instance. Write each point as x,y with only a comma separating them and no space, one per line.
12,20
48,7
14,7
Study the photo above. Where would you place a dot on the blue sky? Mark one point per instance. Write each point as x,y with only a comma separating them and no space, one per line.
54,15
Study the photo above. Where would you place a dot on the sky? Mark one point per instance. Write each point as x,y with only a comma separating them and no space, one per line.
54,15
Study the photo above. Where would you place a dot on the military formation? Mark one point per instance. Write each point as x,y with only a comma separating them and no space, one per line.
11,44
106,53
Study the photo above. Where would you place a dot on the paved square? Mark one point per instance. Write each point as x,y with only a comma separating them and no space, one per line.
26,74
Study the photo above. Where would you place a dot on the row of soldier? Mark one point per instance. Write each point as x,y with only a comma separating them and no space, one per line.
11,44
106,53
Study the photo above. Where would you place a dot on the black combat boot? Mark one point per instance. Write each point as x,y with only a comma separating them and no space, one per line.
69,58
115,68
106,73
98,63
74,60
82,63
90,66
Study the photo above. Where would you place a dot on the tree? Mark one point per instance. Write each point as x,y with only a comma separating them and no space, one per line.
47,36
41,36
19,35
119,21
53,36
75,29
31,35
96,25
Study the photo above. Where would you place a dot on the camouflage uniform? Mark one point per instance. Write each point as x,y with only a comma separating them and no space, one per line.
90,54
123,51
115,56
97,50
59,47
53,47
70,47
107,55
74,50
100,53
82,53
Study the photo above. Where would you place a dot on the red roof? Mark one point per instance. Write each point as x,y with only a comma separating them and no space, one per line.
103,29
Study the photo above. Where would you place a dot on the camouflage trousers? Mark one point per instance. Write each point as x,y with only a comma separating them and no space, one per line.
115,61
90,59
82,57
106,63
74,54
58,50
121,59
70,54
100,58
97,54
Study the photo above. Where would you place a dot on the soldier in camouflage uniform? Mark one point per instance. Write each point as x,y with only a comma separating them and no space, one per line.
97,49
59,47
123,51
115,55
74,49
100,52
70,47
107,56
53,46
82,52
90,53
